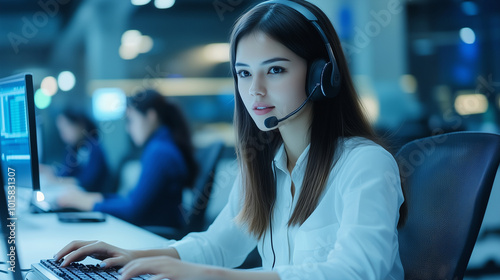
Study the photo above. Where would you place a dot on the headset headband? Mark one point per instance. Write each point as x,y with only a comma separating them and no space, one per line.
306,13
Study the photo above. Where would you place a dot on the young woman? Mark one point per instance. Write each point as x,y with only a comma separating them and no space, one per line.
167,165
316,195
84,163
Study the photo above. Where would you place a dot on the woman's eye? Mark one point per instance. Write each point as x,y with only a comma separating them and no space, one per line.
276,70
243,73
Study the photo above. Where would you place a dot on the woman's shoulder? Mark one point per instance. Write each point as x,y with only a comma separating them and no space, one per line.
161,145
363,150
360,159
161,138
357,143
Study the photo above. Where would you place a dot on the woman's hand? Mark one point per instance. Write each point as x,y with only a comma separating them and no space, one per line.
47,174
76,198
167,267
108,254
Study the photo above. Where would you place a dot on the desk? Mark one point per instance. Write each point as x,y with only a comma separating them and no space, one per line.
40,236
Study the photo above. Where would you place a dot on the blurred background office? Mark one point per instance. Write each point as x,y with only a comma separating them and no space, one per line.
422,67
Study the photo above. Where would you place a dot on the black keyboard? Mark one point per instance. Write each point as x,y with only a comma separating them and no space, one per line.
79,271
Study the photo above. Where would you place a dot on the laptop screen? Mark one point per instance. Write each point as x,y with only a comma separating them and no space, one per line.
18,130
9,259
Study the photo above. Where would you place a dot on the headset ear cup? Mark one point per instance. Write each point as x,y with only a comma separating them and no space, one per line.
327,88
314,77
330,85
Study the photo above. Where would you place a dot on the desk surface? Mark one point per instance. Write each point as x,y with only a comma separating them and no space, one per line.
40,236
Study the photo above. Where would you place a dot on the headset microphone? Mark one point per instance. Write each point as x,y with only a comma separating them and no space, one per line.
273,121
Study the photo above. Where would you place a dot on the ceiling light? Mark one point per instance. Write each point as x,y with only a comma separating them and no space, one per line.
164,4
66,80
146,44
49,85
468,104
467,35
140,2
42,100
218,52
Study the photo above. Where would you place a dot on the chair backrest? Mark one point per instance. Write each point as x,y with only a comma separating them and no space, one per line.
207,158
447,181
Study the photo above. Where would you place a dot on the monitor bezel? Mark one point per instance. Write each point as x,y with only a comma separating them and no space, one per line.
30,100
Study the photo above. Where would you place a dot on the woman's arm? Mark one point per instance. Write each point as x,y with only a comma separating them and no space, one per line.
225,243
161,262
171,268
170,252
67,181
235,274
75,198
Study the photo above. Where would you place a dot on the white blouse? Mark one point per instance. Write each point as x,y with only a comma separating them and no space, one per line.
350,235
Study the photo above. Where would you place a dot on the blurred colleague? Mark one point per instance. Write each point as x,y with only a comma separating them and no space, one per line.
167,161
84,162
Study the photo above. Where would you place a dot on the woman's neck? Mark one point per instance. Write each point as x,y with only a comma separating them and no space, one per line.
153,129
296,137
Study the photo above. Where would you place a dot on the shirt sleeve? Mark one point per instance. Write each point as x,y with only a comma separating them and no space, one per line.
226,243
366,246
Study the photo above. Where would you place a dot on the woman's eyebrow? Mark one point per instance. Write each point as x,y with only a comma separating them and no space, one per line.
274,60
264,62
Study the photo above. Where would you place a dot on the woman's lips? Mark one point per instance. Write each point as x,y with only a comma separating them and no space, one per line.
262,110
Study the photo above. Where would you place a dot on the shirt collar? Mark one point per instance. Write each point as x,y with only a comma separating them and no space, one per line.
280,159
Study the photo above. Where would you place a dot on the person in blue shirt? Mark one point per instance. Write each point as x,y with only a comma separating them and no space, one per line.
84,162
167,166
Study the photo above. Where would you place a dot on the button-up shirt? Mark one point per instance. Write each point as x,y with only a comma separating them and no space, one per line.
352,233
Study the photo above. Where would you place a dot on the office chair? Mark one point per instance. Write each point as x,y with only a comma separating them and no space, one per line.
194,214
447,181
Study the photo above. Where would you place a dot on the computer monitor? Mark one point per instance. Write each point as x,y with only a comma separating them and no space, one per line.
18,138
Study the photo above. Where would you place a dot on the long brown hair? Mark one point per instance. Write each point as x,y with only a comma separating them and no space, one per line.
333,119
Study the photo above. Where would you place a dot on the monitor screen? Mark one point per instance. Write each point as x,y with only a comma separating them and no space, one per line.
18,146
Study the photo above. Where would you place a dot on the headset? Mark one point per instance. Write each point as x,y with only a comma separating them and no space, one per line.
323,75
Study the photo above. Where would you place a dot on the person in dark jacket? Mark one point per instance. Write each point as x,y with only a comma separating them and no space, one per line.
84,162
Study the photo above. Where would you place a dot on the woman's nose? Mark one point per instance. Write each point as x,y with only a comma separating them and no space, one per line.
257,87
